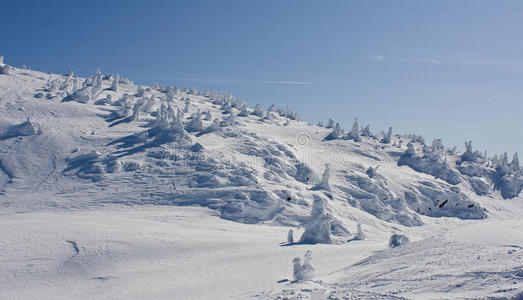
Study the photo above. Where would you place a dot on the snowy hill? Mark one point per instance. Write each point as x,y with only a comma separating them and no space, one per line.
123,159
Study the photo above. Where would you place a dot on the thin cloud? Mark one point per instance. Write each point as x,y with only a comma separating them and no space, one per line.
377,57
281,82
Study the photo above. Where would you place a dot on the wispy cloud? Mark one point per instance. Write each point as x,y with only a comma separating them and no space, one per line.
280,82
427,60
377,57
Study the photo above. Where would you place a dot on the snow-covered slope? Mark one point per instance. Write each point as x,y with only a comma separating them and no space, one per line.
94,172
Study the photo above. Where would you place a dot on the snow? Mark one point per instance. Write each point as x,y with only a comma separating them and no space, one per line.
130,193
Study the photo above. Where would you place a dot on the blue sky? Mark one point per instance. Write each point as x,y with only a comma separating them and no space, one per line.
448,69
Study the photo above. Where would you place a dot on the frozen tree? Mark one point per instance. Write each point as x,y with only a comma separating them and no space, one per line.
196,124
330,123
514,165
398,240
469,155
324,184
140,91
336,133
360,236
258,110
1,60
354,133
305,271
411,151
244,112
318,229
371,172
320,123
290,237
187,103
208,115
387,139
116,81
366,131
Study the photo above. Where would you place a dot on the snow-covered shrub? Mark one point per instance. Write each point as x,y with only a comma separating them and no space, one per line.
398,240
371,172
244,112
468,155
290,236
258,110
208,115
388,137
5,69
360,236
330,124
336,133
354,133
366,131
195,125
305,271
324,184
116,82
140,91
322,227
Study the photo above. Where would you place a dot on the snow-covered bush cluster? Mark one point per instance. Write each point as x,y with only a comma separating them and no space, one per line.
305,271
398,240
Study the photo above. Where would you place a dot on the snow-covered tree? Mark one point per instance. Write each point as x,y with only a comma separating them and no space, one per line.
320,123
371,172
324,184
514,165
336,133
116,82
305,271
1,60
208,115
195,125
244,112
398,240
360,236
366,131
411,151
290,236
354,133
387,139
330,124
258,110
187,104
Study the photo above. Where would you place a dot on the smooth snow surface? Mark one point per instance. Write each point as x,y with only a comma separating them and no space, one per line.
113,191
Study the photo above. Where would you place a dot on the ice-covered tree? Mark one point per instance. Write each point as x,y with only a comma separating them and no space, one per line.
354,133
305,271
258,110
208,115
195,125
1,60
330,124
320,123
514,165
387,139
398,240
325,178
336,133
366,131
360,236
290,236
244,112
187,104
116,82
